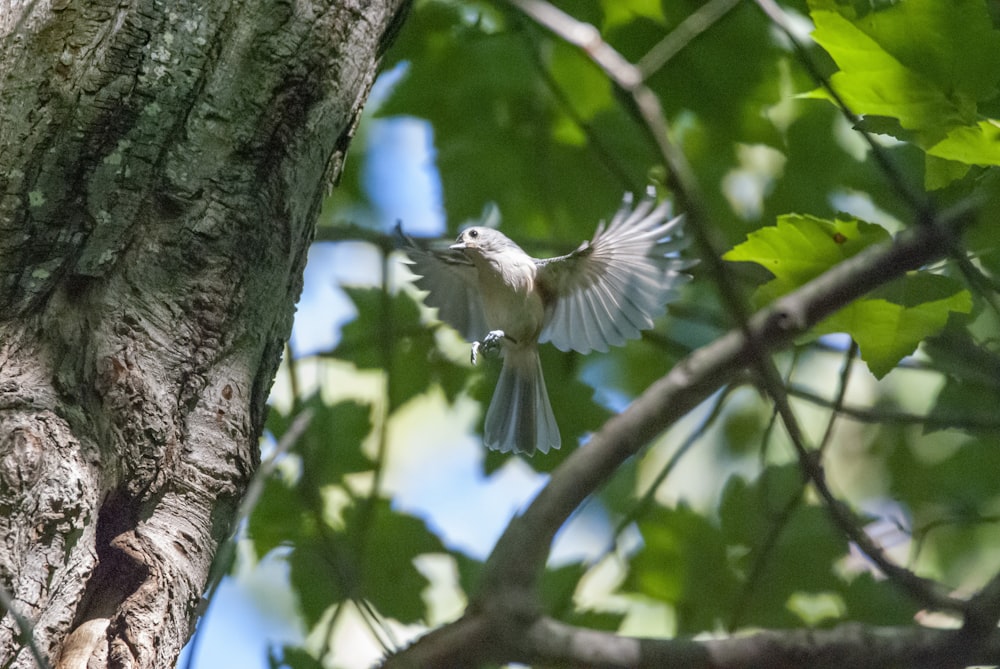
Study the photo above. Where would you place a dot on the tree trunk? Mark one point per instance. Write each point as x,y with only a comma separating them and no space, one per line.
161,167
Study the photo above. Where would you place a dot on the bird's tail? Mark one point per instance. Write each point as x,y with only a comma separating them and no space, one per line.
520,417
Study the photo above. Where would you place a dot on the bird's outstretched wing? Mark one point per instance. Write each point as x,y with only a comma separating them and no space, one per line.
450,279
611,288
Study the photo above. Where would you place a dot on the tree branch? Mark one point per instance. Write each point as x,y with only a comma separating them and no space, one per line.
470,642
556,644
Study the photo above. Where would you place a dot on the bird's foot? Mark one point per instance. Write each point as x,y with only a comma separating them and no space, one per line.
490,343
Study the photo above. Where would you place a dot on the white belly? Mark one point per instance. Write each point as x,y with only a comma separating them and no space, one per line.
510,302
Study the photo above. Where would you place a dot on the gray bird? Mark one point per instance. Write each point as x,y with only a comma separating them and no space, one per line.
605,292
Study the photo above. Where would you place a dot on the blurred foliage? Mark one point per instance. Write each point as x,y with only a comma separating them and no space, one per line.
792,188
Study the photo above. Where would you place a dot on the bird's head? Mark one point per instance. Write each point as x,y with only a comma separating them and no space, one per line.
482,241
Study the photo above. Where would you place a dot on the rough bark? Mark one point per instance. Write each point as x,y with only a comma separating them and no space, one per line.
161,166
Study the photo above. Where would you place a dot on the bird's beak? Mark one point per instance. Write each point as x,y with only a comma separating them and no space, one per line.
458,246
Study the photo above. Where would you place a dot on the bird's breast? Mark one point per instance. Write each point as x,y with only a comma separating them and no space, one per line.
511,301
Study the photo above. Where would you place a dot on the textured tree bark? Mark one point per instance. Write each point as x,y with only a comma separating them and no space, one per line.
161,167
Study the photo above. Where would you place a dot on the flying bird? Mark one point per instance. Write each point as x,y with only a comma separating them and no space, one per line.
602,294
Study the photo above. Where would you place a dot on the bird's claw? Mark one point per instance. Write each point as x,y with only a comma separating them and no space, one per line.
490,343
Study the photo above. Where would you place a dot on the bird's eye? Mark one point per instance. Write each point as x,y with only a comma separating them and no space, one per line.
473,233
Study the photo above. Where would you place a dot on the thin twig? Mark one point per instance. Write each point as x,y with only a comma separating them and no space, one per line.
887,416
686,31
927,592
838,402
594,140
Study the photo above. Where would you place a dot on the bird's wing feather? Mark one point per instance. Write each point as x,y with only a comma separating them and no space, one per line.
450,279
611,288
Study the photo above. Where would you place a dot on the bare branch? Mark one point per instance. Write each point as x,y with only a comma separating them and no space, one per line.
891,416
695,24
556,644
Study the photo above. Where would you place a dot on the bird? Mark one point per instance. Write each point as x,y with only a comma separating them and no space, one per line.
605,292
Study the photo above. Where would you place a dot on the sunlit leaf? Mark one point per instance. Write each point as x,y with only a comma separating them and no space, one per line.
620,12
890,323
939,172
871,81
925,63
800,248
977,144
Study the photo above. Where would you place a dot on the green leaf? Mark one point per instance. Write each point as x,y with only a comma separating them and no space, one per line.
872,81
877,602
952,44
319,582
558,586
609,621
278,518
331,445
963,484
388,334
800,248
684,563
371,559
587,91
330,448
368,340
502,102
890,323
966,403
785,546
622,12
292,658
390,541
469,572
924,62
977,144
939,172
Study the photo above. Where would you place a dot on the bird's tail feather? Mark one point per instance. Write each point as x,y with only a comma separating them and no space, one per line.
520,418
